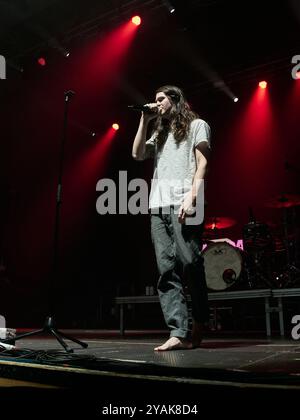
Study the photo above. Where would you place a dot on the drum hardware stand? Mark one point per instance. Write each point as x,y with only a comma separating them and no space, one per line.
258,273
49,326
254,267
291,270
249,276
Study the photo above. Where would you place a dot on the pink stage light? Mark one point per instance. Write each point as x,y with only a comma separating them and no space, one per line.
136,20
263,84
41,61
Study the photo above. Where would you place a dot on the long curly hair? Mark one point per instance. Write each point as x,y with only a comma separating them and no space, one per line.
180,119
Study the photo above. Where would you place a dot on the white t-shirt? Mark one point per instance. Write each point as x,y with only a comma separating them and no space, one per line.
175,165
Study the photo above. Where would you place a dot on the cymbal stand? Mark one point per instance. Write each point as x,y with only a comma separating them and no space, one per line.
291,271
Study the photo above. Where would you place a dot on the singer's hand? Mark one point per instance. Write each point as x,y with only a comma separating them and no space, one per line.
150,115
187,208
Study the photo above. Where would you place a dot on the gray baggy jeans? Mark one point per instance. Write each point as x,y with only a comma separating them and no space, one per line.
178,255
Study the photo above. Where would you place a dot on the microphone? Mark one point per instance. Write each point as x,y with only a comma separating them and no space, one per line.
143,108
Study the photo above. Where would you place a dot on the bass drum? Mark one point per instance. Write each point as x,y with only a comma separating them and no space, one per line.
223,265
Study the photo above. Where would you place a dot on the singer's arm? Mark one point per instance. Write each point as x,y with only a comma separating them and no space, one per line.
202,153
139,144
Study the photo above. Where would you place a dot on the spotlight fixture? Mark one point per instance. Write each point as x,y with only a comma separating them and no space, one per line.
235,99
63,51
56,45
169,6
115,126
263,84
136,20
41,61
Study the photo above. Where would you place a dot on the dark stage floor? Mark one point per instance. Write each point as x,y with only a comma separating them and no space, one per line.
114,372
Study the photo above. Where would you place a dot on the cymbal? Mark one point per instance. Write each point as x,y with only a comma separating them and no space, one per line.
284,201
215,222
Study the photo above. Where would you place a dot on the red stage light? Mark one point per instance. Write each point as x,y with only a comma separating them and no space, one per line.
42,61
263,84
136,20
115,126
298,75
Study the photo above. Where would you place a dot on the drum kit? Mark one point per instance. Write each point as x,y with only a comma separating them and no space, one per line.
267,257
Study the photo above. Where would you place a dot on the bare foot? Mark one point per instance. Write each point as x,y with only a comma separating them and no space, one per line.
197,334
175,343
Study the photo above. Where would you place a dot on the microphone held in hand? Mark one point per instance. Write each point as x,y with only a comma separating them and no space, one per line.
143,108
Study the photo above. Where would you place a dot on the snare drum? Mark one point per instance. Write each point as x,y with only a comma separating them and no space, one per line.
223,265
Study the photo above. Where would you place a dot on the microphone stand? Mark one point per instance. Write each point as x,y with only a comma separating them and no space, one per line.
49,326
